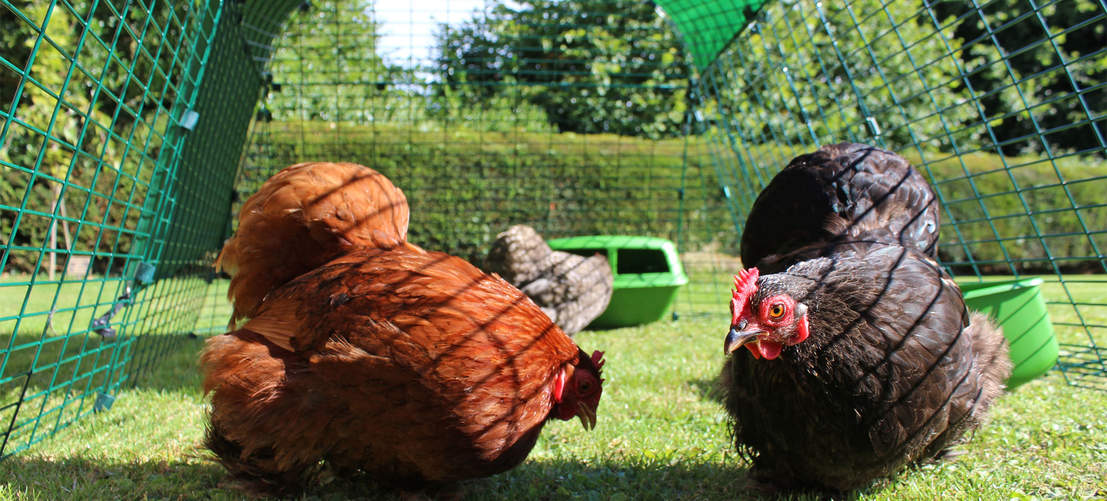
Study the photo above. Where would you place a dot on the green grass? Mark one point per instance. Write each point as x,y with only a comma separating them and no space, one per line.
52,371
73,301
661,435
1089,293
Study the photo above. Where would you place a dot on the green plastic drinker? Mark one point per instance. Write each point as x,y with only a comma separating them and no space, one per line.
1017,306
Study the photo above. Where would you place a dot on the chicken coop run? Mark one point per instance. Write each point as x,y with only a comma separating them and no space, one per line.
133,130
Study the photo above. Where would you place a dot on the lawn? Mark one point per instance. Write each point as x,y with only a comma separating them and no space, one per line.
661,435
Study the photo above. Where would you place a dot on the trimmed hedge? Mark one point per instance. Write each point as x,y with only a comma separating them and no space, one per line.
1026,216
466,186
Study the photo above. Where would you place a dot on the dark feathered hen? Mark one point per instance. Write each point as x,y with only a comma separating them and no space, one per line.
842,192
860,355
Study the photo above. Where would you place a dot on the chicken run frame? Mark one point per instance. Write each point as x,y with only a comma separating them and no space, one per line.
132,129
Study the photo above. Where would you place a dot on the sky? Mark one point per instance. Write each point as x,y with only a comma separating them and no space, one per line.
408,27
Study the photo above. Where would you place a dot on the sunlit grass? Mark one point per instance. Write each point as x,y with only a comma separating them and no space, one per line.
661,435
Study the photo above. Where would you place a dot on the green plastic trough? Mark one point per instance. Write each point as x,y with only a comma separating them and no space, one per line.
647,274
1017,306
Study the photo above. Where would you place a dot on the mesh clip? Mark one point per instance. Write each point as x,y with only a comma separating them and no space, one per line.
102,324
103,402
189,119
874,127
144,275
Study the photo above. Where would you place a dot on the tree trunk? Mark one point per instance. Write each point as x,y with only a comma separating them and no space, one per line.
59,209
52,268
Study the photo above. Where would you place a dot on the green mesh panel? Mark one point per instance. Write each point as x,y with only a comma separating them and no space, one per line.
707,27
120,118
475,149
93,96
999,104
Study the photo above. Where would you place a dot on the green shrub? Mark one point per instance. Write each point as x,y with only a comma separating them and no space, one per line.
465,186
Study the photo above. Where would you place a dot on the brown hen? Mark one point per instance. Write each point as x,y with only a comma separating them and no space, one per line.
411,366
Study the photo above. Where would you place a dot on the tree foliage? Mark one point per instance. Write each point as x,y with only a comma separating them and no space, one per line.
83,110
942,76
837,72
592,65
1035,68
329,68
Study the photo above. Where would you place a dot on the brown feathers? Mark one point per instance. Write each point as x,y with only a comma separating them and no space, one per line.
304,216
439,378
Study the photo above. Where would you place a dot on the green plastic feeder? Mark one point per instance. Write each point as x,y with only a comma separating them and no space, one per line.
647,274
1017,306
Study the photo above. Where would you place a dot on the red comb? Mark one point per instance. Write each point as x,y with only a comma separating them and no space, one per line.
745,284
597,358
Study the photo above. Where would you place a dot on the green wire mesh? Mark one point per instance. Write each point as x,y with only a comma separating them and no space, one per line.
1001,103
102,196
93,95
513,126
133,130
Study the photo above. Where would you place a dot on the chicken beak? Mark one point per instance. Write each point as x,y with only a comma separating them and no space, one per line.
737,338
586,415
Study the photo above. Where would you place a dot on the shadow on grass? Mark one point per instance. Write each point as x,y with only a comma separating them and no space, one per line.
167,362
201,478
630,480
626,479
709,389
48,383
82,478
560,479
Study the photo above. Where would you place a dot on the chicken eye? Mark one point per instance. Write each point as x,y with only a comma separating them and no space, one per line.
776,311
584,386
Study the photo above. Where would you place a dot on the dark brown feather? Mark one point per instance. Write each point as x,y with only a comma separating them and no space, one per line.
895,370
842,191
889,375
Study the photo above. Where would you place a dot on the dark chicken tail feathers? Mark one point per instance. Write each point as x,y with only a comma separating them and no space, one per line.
992,355
255,472
993,366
